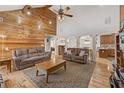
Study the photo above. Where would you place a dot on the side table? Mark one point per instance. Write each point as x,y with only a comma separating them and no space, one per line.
6,61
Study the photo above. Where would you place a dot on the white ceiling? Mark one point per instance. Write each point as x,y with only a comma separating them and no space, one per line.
16,7
90,20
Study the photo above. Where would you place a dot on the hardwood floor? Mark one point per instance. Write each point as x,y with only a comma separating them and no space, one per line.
100,77
16,79
101,74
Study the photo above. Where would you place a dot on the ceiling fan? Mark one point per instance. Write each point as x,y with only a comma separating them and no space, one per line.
62,12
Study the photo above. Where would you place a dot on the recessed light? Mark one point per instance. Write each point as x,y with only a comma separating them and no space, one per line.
39,27
28,13
50,22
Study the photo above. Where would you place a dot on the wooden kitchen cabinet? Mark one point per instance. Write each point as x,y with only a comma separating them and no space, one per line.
107,39
104,53
111,52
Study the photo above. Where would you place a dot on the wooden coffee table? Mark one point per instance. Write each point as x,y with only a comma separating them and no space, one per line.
50,66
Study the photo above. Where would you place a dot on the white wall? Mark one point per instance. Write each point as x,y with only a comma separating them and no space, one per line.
90,20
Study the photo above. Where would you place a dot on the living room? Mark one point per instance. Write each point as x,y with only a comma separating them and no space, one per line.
38,41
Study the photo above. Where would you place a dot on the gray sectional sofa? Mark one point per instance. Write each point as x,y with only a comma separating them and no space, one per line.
24,58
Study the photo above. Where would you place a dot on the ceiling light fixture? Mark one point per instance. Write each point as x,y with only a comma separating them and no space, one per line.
29,13
27,10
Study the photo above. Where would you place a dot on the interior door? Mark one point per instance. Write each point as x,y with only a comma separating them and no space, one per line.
61,49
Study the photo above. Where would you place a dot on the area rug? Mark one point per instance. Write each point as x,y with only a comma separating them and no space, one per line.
76,76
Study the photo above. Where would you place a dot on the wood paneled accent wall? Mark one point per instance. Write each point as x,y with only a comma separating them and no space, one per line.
121,12
25,31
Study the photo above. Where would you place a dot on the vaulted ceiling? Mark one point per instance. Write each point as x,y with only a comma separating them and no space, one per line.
15,7
88,19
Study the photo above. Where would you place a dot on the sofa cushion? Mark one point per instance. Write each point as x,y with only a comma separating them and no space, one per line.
41,54
31,60
40,50
23,57
77,57
24,51
32,55
20,52
32,50
47,53
69,52
81,53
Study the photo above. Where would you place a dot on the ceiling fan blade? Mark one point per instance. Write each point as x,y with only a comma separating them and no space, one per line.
68,15
55,11
67,8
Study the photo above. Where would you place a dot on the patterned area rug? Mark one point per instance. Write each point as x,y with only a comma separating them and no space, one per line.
76,76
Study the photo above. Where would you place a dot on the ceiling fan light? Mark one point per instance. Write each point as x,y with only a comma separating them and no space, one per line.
60,18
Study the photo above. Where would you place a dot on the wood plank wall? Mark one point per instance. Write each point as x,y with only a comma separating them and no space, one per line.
121,12
23,31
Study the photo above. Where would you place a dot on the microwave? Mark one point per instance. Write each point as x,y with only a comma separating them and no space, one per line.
121,35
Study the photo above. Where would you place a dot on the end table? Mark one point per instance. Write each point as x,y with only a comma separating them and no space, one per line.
6,61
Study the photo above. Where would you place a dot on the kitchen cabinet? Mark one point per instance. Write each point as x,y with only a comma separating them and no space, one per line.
107,39
104,53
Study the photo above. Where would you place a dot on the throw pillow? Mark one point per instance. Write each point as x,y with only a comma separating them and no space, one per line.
68,51
81,53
